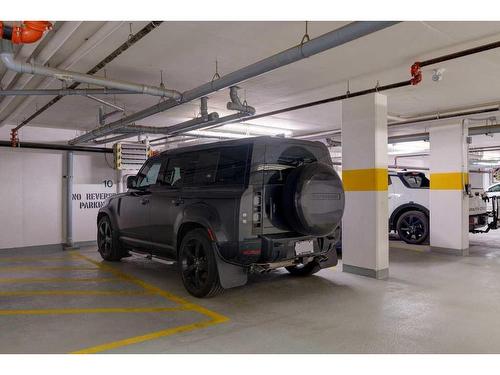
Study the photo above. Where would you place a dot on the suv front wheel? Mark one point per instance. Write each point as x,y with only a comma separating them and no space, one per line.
198,265
107,241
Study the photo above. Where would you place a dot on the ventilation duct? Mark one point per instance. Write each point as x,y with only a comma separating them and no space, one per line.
7,57
332,39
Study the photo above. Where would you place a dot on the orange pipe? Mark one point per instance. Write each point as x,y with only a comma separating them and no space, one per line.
27,32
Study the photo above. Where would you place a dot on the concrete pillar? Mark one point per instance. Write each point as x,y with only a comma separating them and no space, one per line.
365,243
449,206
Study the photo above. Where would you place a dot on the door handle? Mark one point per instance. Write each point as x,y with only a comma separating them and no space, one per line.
144,201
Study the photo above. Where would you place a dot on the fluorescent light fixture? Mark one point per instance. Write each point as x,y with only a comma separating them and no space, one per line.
207,133
256,129
407,147
487,163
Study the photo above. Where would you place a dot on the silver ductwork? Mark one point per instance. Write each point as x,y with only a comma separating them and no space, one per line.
335,38
205,120
7,57
235,103
63,92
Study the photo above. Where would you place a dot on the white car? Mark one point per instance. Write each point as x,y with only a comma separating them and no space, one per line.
493,190
409,207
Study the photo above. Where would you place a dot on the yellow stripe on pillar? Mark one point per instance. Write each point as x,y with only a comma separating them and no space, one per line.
373,179
449,181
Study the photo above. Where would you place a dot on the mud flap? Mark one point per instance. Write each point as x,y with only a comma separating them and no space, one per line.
230,275
332,259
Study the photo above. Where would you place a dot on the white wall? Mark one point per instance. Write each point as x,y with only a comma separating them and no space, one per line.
32,194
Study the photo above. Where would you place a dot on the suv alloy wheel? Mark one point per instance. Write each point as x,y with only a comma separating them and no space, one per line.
198,265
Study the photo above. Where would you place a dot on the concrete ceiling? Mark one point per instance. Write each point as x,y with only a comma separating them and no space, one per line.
186,52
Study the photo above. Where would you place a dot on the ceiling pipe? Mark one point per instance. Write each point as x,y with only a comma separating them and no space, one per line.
64,92
133,129
175,130
54,42
113,139
24,54
57,147
184,137
104,116
424,136
236,105
415,71
203,121
106,103
88,46
244,110
440,116
335,38
7,57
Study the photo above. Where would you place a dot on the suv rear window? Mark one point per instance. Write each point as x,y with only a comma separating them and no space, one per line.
223,166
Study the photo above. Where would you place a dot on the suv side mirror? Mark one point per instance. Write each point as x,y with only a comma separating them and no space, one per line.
131,182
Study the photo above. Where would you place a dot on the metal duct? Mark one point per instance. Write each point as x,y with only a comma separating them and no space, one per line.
64,92
112,105
113,139
7,57
236,105
175,130
335,38
211,117
95,40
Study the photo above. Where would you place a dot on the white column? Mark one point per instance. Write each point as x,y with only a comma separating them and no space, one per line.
448,204
365,243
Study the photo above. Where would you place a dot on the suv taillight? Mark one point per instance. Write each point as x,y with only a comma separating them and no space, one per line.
257,209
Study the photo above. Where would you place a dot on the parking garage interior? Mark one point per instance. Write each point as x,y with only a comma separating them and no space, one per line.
399,119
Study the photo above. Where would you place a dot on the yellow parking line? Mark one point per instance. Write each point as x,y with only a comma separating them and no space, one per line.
45,268
215,318
26,280
92,310
146,337
74,292
40,257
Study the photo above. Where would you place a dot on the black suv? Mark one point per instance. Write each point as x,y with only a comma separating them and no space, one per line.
226,209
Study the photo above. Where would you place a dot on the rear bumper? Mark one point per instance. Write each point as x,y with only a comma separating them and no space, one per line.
279,249
236,259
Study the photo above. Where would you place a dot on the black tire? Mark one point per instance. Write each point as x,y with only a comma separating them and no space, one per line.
413,227
197,265
304,269
313,199
107,241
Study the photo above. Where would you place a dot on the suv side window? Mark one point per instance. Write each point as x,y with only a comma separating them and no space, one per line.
148,175
174,172
232,166
223,166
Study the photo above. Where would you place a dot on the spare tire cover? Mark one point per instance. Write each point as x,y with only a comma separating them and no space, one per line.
313,199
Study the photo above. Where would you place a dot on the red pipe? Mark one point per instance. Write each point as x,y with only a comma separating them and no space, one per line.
27,32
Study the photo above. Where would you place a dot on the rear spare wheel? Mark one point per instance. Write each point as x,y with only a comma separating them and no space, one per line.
313,199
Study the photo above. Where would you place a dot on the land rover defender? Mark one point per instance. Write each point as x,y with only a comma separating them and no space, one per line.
224,210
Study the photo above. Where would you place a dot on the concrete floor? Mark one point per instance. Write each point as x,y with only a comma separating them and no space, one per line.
431,303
